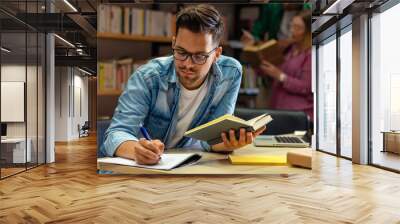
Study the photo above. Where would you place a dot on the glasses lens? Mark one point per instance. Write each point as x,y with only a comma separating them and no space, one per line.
199,59
180,55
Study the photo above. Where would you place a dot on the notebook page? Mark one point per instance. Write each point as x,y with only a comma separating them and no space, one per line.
167,162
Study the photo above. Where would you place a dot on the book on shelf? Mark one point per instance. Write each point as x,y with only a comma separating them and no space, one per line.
269,50
135,21
127,20
116,19
211,131
113,75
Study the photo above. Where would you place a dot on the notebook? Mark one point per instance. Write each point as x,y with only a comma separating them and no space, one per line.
168,161
211,131
258,159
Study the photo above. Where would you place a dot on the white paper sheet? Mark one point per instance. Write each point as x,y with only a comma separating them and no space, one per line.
167,162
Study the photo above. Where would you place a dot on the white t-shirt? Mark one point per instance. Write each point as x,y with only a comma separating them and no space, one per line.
189,101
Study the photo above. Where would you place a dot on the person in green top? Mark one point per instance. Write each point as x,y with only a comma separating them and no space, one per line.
271,23
268,22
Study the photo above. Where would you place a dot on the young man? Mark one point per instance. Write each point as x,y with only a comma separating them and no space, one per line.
170,95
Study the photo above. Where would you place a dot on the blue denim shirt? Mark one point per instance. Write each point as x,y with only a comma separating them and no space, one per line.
151,99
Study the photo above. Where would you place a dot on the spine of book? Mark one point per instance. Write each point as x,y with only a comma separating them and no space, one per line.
112,19
101,16
167,24
100,83
148,18
134,22
108,19
127,20
118,26
140,22
158,23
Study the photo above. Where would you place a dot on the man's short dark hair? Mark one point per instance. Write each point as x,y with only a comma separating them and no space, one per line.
201,18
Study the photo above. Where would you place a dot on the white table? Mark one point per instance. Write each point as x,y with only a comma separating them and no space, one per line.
19,153
217,164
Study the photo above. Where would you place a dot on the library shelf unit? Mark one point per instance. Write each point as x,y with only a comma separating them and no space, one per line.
130,38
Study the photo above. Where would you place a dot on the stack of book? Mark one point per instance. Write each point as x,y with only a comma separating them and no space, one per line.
134,21
113,75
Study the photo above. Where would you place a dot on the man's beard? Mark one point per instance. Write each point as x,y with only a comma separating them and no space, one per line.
188,74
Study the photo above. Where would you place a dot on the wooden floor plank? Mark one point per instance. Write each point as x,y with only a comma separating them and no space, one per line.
70,191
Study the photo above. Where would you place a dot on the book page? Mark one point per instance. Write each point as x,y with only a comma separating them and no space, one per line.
252,121
167,162
215,121
260,121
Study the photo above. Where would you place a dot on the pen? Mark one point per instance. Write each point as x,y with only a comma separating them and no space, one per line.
146,135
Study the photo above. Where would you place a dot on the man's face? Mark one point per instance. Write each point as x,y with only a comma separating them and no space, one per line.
191,75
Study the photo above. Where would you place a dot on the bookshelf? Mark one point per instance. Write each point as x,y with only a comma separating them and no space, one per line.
125,37
128,32
129,36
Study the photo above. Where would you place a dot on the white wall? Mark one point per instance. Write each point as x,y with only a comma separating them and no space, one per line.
61,103
33,127
71,94
16,73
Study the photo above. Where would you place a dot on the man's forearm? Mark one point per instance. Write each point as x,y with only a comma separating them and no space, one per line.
126,149
115,139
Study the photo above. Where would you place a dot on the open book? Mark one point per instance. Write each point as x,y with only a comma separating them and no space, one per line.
211,131
168,161
270,51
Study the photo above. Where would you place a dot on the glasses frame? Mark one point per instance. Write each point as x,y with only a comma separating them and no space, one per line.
207,55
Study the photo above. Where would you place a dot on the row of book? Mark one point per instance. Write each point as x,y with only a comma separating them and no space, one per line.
135,21
249,79
113,75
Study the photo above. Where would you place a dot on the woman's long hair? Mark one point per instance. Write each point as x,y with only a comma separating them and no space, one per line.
306,17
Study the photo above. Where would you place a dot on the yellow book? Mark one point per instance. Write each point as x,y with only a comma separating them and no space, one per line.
258,159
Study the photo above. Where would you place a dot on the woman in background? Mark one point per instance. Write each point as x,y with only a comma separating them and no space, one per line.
291,88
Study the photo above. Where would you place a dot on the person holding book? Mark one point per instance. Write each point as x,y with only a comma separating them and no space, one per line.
273,23
291,88
170,95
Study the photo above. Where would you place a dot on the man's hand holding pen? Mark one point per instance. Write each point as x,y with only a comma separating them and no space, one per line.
145,151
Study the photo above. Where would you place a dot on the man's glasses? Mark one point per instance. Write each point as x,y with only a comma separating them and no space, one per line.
198,59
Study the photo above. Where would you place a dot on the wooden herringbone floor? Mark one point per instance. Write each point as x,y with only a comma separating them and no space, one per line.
70,191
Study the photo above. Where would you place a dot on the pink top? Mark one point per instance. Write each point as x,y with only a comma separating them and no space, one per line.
295,92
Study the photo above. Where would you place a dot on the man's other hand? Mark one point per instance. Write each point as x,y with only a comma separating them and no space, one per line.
230,142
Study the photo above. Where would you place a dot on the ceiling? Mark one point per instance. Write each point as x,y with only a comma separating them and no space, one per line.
76,26
333,15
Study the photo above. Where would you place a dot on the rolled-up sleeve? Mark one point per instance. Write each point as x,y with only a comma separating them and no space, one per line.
300,85
132,109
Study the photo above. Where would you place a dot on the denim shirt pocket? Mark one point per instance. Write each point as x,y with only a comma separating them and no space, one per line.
219,93
160,116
